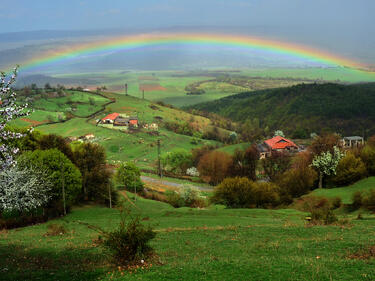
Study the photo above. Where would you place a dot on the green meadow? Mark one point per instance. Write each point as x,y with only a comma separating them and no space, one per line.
169,86
195,244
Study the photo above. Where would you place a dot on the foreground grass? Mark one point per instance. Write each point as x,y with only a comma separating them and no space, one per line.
346,193
213,244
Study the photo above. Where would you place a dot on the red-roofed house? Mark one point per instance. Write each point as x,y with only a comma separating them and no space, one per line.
277,143
110,118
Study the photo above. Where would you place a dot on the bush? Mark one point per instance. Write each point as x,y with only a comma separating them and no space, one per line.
369,200
244,193
59,169
321,210
129,243
336,203
177,161
349,170
214,166
357,200
368,158
185,197
296,182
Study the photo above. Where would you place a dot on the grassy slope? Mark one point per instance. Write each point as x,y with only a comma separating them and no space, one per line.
214,244
140,147
345,193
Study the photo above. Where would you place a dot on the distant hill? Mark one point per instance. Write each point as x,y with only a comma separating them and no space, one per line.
305,108
40,80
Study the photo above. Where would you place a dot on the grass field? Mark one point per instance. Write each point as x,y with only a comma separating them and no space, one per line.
140,147
169,86
192,244
345,193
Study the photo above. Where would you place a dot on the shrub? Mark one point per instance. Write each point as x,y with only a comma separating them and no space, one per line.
129,243
368,158
55,229
245,163
129,175
244,193
369,200
185,197
177,161
336,203
296,182
321,210
357,200
349,170
214,166
59,169
192,172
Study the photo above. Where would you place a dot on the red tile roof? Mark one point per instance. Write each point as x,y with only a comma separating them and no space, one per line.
111,116
133,122
280,143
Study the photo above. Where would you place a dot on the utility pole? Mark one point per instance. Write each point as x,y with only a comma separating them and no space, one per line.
159,162
63,187
126,88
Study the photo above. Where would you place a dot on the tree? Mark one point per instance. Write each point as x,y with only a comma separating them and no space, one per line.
23,189
129,175
60,171
245,163
276,164
54,141
96,178
9,110
214,166
279,133
326,163
324,143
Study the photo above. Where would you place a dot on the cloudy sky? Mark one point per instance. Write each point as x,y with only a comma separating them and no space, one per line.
343,25
22,15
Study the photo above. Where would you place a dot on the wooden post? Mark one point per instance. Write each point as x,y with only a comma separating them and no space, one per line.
110,196
63,187
126,88
159,162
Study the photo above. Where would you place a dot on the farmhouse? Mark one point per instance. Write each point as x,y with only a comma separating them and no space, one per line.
110,118
277,143
133,122
121,121
353,141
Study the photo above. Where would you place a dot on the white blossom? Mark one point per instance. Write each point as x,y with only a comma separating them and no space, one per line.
9,110
23,189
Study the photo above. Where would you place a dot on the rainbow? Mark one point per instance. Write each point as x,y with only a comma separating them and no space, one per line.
124,43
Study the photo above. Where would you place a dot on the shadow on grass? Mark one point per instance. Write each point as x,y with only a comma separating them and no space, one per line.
18,263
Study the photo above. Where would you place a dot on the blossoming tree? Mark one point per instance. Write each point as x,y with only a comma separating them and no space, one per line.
326,163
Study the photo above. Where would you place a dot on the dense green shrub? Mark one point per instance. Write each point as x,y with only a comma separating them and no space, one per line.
349,170
54,141
369,200
177,161
296,182
244,193
129,175
60,170
129,243
357,200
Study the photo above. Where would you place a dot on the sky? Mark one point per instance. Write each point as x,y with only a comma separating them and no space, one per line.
25,15
343,26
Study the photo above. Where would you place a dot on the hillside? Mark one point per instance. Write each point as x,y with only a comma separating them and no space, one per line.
74,115
304,108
